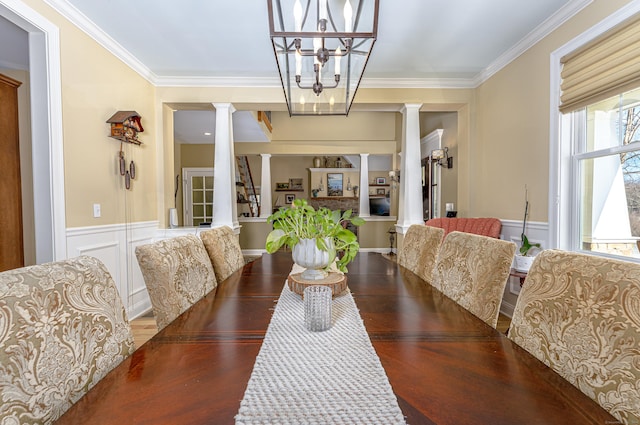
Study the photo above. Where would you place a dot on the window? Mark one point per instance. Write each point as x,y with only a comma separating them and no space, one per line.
595,147
607,175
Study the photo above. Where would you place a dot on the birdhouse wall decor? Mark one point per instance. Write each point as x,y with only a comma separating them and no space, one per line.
125,126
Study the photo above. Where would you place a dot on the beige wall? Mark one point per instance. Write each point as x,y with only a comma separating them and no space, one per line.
502,140
94,86
511,147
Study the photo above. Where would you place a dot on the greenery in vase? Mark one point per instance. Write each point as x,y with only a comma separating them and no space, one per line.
525,245
302,221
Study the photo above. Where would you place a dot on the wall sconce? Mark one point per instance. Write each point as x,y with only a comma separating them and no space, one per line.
440,155
394,176
320,186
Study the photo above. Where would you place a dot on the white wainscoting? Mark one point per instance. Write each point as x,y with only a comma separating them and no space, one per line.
115,246
537,232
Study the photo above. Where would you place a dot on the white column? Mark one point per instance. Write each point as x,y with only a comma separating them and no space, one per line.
224,170
410,201
363,206
266,206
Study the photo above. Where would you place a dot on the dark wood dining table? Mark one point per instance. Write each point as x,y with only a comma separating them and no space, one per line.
445,365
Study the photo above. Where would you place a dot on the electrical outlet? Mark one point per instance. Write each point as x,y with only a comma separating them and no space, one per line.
96,210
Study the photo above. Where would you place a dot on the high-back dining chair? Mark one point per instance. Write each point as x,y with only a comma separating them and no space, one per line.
177,273
473,271
580,315
63,327
224,251
420,249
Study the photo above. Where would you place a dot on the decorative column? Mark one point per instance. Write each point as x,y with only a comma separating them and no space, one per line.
410,199
363,206
266,206
224,171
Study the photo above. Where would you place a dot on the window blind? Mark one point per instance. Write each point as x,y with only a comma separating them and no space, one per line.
607,66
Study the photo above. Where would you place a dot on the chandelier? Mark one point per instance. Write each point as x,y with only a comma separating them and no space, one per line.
322,54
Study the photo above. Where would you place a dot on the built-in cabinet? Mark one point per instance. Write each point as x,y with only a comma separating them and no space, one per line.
11,240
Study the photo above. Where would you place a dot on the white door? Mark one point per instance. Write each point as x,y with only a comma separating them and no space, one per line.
197,185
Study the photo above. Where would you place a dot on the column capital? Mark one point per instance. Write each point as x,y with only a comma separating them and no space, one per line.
408,106
226,105
265,155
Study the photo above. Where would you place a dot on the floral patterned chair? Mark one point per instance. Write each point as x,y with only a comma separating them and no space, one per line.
580,315
420,249
177,273
62,328
224,251
473,271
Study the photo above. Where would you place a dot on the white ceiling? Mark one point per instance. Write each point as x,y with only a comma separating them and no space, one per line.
421,43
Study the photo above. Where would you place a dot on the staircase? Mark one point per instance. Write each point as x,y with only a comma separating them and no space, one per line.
244,186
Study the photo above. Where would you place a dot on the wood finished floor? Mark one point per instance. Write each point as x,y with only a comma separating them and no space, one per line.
143,328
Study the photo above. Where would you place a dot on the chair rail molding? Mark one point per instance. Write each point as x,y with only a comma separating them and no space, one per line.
115,246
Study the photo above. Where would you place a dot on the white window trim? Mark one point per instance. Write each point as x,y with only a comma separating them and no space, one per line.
563,199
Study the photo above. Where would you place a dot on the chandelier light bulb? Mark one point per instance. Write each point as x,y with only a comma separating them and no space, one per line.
317,45
348,16
298,63
337,58
297,15
322,14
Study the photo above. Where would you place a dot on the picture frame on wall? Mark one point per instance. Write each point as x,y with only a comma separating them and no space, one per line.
334,184
289,198
380,192
282,186
381,180
295,184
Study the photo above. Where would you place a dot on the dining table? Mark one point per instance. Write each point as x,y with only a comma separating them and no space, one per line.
445,365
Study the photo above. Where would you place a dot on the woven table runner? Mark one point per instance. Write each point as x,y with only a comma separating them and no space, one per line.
330,377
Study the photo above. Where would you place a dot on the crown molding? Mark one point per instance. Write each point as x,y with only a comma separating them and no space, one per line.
419,83
80,20
565,13
85,24
268,82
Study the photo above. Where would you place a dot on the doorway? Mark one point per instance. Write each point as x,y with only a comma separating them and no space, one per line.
45,119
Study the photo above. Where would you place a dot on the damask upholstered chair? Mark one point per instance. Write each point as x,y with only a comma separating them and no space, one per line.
580,315
224,251
420,249
62,328
177,273
473,271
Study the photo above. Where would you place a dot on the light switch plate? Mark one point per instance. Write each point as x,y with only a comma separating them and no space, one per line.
96,210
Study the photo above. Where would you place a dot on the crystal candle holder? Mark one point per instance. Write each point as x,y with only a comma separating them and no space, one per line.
317,308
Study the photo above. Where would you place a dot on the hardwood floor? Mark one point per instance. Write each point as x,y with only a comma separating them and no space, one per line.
143,329
503,323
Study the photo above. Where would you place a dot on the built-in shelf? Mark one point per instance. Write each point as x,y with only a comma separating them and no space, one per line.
379,185
289,190
334,170
324,198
